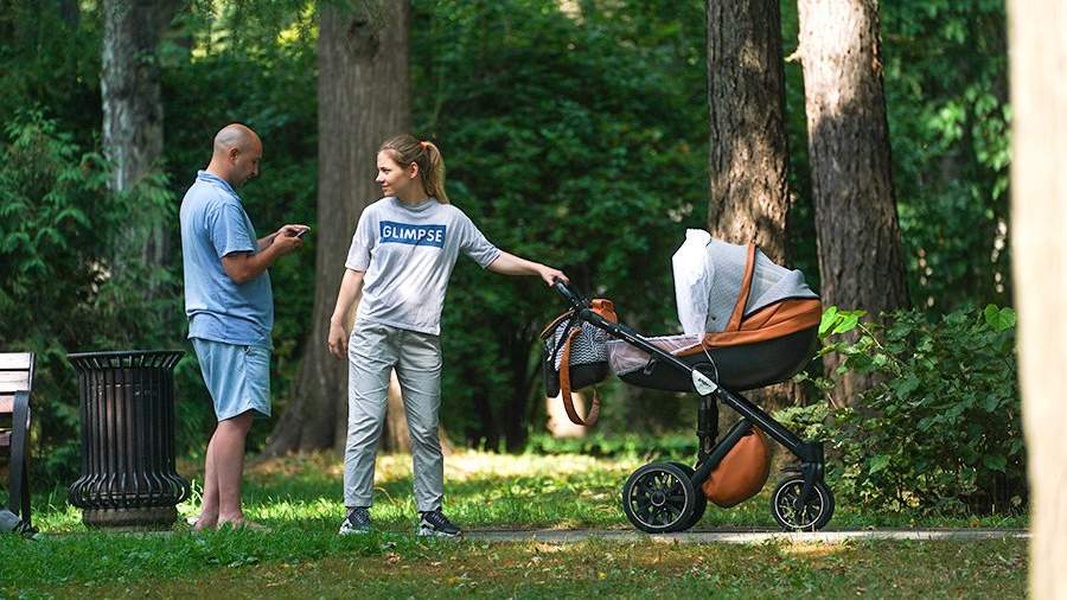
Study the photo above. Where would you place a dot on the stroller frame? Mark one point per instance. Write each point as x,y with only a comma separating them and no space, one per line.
801,502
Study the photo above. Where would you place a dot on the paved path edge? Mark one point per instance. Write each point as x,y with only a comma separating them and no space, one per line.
743,537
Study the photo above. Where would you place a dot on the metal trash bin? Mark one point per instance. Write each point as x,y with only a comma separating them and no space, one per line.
128,477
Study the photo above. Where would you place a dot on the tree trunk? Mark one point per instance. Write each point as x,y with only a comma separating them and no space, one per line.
364,97
860,255
516,414
748,160
133,111
1039,258
748,156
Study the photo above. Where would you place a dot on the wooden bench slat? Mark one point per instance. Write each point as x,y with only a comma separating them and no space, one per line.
5,438
10,388
15,360
12,384
7,404
15,375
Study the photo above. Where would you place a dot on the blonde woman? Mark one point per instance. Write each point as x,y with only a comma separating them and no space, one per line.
402,255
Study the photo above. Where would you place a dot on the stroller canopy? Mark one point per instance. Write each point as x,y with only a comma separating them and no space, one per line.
719,286
751,319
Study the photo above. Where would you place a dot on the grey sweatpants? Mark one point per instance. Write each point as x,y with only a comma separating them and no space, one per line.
373,351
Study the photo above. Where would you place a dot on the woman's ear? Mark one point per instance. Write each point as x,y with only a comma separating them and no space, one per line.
413,170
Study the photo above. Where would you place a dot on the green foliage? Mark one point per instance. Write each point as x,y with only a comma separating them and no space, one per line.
574,141
940,430
947,95
574,137
50,57
647,448
70,283
254,64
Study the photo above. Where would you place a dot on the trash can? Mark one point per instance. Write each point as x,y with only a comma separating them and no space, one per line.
128,478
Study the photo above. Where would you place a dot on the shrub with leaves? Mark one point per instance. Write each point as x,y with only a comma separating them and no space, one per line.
62,290
940,431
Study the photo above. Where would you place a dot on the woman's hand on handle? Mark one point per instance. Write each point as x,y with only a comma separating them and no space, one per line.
550,275
573,298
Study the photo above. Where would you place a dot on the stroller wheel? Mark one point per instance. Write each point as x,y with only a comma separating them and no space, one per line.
659,498
813,515
701,500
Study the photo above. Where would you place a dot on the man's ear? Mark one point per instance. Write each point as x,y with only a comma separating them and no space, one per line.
232,153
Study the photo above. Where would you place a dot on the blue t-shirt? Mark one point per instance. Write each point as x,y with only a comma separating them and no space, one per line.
214,224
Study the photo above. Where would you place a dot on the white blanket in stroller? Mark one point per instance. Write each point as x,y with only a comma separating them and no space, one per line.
707,281
625,358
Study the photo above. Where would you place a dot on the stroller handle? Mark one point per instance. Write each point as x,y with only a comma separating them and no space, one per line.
568,293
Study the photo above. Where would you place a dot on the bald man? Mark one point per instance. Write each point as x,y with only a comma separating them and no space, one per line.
231,311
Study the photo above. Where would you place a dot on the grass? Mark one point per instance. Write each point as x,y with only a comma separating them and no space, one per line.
300,499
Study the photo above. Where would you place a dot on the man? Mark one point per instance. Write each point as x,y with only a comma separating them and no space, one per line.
231,311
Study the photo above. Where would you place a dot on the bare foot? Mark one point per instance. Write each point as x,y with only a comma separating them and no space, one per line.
204,522
242,524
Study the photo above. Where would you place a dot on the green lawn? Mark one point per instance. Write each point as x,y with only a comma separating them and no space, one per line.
300,499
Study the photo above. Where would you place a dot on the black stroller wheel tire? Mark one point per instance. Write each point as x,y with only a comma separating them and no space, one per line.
701,500
659,498
813,515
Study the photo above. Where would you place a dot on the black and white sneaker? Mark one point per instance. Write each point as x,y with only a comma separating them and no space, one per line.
435,523
357,521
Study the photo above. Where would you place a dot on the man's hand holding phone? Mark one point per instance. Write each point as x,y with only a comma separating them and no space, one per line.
294,231
290,237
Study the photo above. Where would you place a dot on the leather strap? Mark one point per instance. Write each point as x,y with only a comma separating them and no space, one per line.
565,386
605,308
746,287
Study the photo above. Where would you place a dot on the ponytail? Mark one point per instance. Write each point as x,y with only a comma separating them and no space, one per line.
406,149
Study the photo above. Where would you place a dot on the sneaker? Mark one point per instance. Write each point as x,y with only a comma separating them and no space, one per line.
25,530
435,523
357,521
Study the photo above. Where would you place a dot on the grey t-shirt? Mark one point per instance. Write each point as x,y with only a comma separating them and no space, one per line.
407,253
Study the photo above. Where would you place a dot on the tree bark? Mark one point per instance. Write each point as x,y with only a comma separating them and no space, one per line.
130,86
748,155
1039,258
133,108
748,159
516,414
364,97
860,255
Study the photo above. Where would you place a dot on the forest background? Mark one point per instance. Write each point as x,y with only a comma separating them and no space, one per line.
575,133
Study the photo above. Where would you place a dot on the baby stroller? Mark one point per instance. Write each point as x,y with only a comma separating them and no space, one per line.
748,323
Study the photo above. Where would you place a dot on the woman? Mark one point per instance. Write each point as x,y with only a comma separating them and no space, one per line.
398,267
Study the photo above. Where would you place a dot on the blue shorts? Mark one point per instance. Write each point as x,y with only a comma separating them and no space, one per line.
238,377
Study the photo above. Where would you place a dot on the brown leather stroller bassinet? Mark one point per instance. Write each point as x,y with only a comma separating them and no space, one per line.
761,333
747,323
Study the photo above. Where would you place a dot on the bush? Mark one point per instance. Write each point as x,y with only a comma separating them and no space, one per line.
646,447
940,430
70,280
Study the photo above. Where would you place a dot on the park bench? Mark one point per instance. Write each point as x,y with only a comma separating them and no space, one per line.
16,381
